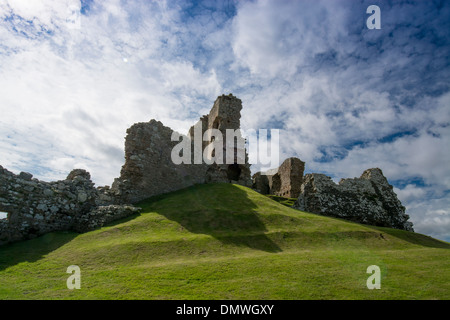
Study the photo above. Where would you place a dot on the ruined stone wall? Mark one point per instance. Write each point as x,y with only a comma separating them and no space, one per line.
369,199
260,183
36,207
291,178
226,114
149,169
286,181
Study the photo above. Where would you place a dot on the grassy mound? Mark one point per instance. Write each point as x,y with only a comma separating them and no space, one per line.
223,241
288,202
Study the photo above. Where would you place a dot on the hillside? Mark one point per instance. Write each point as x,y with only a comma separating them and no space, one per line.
223,241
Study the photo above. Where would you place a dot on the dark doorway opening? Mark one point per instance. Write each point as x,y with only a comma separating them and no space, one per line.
234,172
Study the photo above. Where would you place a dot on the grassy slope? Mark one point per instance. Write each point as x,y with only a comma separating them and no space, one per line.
288,202
224,241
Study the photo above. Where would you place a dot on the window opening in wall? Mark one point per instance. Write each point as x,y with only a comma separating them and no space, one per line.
216,124
3,215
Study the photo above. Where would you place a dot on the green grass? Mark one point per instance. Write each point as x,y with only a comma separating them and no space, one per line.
223,241
288,202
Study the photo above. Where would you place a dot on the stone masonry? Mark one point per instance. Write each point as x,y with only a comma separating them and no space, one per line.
285,182
369,199
36,207
225,115
149,169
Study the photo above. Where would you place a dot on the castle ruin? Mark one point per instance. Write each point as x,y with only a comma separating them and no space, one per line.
369,199
36,207
149,169
225,115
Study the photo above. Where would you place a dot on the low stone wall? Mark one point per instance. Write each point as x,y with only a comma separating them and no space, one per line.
36,207
103,215
369,199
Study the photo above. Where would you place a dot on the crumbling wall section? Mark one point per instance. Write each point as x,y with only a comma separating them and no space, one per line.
260,183
149,169
291,178
369,199
285,181
225,115
36,207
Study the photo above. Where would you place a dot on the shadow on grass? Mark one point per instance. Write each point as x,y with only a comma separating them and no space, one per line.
412,237
34,249
408,236
221,210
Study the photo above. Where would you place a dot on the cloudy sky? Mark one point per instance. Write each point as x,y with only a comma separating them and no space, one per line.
74,75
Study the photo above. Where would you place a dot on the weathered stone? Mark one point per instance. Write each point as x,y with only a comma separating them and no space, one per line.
225,115
261,183
34,209
48,192
102,215
285,181
25,176
42,206
82,197
369,199
28,188
79,173
149,169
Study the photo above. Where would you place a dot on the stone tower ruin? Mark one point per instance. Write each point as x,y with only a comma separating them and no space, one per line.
149,169
225,116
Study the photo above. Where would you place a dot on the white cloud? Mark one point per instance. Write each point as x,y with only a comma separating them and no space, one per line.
410,193
72,95
276,38
431,217
423,155
45,12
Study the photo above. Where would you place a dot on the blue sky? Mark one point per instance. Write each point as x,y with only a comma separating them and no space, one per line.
74,75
